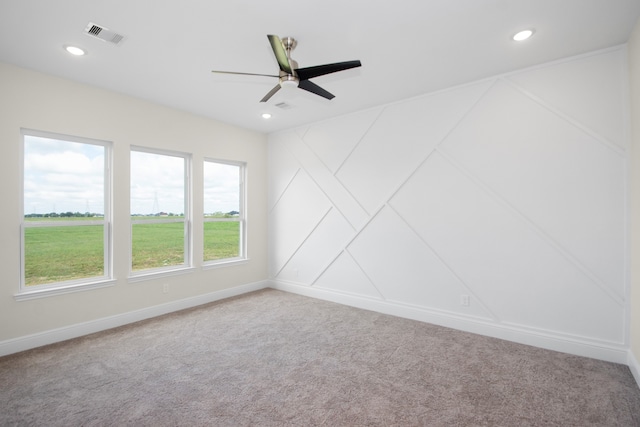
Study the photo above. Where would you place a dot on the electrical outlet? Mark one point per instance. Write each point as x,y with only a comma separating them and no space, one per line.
165,288
465,300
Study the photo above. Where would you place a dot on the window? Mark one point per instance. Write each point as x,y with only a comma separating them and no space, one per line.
224,216
159,211
66,233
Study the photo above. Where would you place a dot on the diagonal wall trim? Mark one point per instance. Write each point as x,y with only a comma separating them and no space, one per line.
355,146
369,214
284,264
475,296
348,206
614,296
355,261
346,249
334,140
365,274
328,266
403,182
444,138
284,191
302,132
620,151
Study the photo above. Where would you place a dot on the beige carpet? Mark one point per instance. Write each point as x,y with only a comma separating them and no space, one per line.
271,358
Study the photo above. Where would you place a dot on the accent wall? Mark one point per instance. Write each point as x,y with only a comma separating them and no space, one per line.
497,207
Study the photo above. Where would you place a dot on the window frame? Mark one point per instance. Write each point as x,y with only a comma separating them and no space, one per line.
241,219
187,264
25,291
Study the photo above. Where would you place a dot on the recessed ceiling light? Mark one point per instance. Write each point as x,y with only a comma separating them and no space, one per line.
74,50
522,35
266,115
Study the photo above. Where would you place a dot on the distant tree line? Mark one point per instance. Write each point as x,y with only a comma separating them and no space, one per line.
220,214
230,214
64,215
158,214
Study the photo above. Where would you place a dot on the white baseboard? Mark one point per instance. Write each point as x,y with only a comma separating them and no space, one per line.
634,366
604,351
548,340
56,335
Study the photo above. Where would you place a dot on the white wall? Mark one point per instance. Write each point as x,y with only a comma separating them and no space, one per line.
36,101
634,72
511,190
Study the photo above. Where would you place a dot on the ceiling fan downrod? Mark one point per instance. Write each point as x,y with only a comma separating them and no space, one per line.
289,80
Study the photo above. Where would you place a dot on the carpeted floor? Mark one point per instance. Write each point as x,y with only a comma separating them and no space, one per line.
271,358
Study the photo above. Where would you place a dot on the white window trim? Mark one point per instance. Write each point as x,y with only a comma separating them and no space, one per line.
158,273
63,288
187,265
242,219
226,262
86,283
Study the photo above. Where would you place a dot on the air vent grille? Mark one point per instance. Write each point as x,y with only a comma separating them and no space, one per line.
103,33
117,38
284,105
94,30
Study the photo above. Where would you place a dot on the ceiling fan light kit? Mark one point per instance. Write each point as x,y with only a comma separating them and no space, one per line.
290,76
289,81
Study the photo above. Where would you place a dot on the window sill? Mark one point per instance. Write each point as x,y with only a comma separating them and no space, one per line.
224,263
154,274
60,290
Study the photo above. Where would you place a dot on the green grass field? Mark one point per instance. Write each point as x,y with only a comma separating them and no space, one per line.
55,254
221,240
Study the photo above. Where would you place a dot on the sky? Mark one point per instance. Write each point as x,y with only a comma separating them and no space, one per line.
63,176
221,187
157,183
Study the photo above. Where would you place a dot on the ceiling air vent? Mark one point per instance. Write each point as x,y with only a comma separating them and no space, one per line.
284,105
103,33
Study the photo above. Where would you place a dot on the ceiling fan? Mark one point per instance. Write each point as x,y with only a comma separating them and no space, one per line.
291,75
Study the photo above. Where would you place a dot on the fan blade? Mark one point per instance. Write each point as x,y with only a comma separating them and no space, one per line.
320,70
243,74
271,93
314,88
281,53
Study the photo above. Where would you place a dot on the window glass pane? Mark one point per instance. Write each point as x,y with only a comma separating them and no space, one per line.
57,254
62,178
221,190
223,211
157,185
157,244
221,240
64,186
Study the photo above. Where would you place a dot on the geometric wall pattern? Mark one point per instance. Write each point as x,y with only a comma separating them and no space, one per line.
511,191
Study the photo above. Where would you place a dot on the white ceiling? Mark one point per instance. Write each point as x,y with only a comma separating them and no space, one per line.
407,47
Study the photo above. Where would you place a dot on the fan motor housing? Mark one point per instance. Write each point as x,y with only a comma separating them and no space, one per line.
289,81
